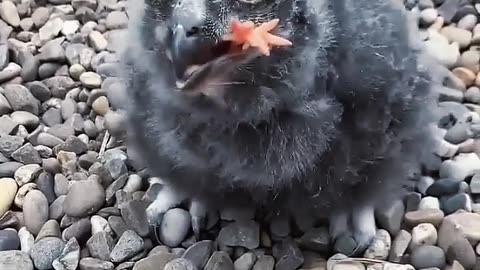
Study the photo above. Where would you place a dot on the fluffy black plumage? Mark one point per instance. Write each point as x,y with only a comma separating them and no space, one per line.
339,120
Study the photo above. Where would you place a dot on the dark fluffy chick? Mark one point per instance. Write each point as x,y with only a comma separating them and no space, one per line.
328,127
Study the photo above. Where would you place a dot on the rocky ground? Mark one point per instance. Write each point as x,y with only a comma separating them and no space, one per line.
72,196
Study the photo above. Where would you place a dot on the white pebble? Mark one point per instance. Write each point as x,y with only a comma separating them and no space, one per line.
424,234
429,203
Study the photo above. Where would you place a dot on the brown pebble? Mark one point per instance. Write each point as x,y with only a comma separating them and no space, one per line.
433,216
466,75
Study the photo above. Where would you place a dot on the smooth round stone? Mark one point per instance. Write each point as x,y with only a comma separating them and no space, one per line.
433,216
424,234
427,256
7,194
101,105
35,211
76,70
442,187
457,202
459,225
454,34
462,251
90,79
51,228
84,198
25,118
95,264
174,227
465,75
9,240
460,167
45,251
468,22
428,16
429,203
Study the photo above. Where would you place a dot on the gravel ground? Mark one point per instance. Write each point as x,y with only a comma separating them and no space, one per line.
72,196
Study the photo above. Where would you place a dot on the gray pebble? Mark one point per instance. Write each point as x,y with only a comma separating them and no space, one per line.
14,260
174,227
35,211
180,264
21,99
84,198
462,251
95,264
9,144
70,257
51,228
428,256
27,154
129,245
100,245
45,184
79,229
240,233
288,256
45,251
199,253
9,240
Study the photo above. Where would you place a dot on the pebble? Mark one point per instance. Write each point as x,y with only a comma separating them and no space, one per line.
240,233
199,253
7,194
180,264
97,41
90,79
457,226
40,16
21,99
11,71
80,229
99,224
265,262
95,264
154,261
51,228
70,27
429,203
457,202
245,262
399,246
174,227
460,167
424,234
433,216
14,260
380,246
9,240
84,198
442,187
27,173
287,254
462,251
100,245
45,251
50,29
454,34
26,240
116,20
22,192
427,256
129,245
9,13
70,257
101,105
35,211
